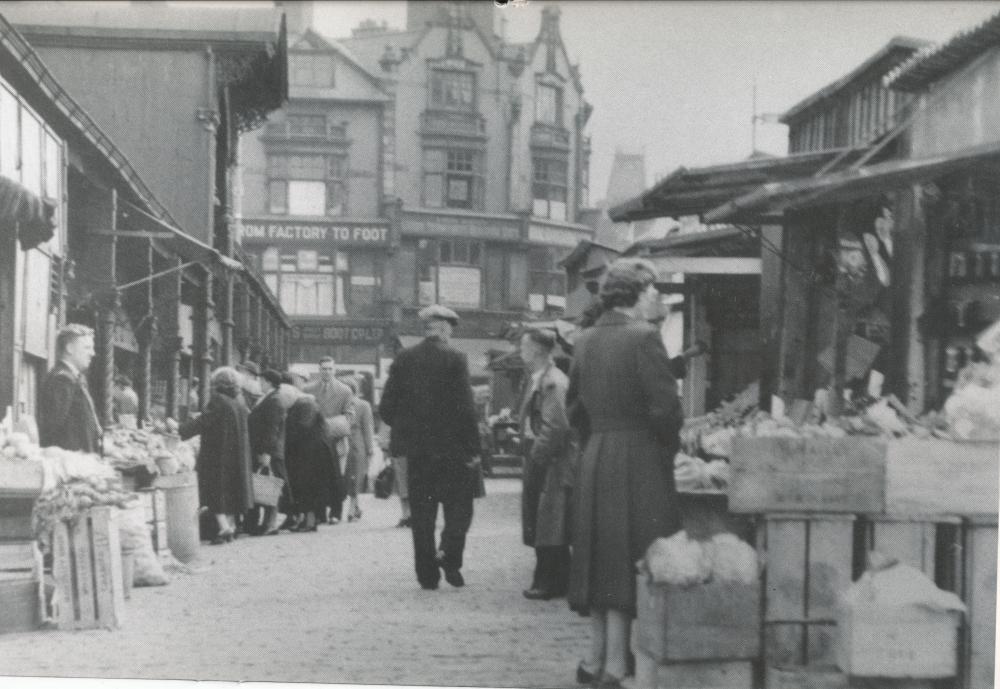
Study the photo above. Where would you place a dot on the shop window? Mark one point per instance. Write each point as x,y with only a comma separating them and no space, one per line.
450,272
549,188
548,104
546,279
307,184
453,90
453,178
312,70
9,135
366,283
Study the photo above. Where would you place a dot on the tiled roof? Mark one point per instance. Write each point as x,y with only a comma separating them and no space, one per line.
934,62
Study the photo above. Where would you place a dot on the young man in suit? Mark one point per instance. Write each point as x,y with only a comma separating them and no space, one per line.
336,404
69,417
429,405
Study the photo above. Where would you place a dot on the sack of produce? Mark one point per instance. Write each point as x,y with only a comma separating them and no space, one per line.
973,410
133,532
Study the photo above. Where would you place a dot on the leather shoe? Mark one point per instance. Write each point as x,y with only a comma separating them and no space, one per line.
429,587
583,676
607,681
454,577
537,594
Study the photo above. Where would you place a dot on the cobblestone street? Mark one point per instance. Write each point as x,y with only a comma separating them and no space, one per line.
338,606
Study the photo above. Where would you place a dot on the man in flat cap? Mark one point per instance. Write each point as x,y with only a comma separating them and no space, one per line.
429,405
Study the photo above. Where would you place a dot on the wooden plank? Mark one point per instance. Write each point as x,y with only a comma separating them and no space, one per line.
80,533
831,547
932,477
803,678
821,474
981,598
18,603
109,596
17,556
64,575
911,542
706,675
784,644
20,479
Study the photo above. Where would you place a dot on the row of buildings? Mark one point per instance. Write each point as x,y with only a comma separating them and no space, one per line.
285,195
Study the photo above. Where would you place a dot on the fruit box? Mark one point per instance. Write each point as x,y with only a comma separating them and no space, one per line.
714,621
932,476
780,474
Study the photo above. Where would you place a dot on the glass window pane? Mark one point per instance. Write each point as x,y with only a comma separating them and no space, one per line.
9,135
433,190
342,264
324,298
445,248
340,305
272,283
308,261
306,198
547,104
458,189
278,197
540,208
31,152
336,202
289,294
557,210
269,260
474,253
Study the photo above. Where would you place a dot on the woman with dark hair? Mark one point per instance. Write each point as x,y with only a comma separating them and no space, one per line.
267,443
224,457
548,472
623,400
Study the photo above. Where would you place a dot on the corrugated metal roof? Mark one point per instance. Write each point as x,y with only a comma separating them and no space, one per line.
934,62
898,48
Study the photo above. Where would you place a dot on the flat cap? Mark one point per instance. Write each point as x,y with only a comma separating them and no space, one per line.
251,367
271,376
436,312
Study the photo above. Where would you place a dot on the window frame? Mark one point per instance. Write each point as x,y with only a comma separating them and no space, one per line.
297,66
276,262
458,165
437,93
435,253
552,187
557,105
547,272
283,168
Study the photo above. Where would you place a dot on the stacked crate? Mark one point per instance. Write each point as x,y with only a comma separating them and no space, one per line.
154,502
20,562
87,567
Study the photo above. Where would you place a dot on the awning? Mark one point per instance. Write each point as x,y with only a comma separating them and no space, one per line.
33,217
693,191
848,185
476,350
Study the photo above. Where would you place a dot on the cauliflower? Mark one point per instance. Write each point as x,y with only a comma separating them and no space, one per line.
677,560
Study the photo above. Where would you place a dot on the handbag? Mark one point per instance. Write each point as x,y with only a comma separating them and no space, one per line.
266,489
383,483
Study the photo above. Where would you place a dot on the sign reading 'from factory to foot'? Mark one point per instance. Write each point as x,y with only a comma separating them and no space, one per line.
307,233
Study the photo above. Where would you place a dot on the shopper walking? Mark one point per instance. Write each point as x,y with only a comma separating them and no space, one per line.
336,404
310,456
68,418
623,399
362,448
267,443
549,453
428,403
224,456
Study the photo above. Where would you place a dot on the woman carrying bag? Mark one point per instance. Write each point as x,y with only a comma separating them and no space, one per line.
267,444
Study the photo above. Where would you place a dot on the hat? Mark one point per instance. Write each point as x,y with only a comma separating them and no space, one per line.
252,367
436,312
288,378
271,376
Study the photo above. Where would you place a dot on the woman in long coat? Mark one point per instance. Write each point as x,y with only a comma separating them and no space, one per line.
549,464
310,457
224,457
623,400
362,447
267,445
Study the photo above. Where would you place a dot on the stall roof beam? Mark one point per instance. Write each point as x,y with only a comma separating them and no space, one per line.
850,184
705,266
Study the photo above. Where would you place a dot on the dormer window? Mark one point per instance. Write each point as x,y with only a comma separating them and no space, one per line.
312,70
453,90
548,105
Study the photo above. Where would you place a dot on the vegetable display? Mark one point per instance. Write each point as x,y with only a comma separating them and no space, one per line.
158,450
71,498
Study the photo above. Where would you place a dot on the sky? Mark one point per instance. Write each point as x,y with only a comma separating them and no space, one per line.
674,80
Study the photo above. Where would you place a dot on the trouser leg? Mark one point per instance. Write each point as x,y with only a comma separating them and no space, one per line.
538,578
457,517
559,570
423,508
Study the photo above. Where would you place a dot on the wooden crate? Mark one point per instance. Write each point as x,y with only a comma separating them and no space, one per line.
809,565
911,540
19,602
807,474
20,478
932,477
981,598
734,674
15,519
883,641
713,621
87,567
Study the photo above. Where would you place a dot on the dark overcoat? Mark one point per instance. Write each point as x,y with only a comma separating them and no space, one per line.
310,456
623,398
67,417
428,402
224,456
549,463
267,434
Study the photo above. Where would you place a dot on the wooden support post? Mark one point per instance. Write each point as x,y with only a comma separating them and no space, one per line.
772,276
981,599
147,338
203,338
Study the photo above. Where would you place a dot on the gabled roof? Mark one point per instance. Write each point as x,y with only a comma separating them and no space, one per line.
693,191
895,51
368,50
321,42
934,62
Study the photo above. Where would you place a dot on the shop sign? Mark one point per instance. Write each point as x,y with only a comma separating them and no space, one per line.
261,231
556,236
346,333
461,226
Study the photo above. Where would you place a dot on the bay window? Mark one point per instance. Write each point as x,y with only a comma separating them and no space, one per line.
548,104
453,90
306,184
549,187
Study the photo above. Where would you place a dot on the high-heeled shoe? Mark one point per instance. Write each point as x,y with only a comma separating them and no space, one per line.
223,537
